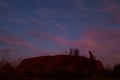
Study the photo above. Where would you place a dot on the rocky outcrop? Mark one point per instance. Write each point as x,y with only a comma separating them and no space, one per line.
63,65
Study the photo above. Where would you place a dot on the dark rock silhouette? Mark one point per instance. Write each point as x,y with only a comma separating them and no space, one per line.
117,69
60,66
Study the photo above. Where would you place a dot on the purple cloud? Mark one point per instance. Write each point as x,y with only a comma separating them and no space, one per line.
13,40
103,42
111,8
4,5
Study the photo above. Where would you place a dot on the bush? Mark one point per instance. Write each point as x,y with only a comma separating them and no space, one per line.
117,69
7,71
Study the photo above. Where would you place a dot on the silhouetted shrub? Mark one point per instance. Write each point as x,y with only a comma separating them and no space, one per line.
108,73
117,69
76,52
7,71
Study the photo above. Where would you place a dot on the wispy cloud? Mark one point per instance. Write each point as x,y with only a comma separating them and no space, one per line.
104,7
111,8
60,27
34,20
7,8
55,13
49,37
17,20
78,3
13,40
4,5
106,43
103,42
108,6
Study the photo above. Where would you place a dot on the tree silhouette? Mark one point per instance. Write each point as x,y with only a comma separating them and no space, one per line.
76,52
92,63
117,69
71,51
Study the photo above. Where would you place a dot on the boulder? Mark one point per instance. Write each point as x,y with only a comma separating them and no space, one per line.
63,65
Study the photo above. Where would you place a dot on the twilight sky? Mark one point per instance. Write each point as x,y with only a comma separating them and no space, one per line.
48,27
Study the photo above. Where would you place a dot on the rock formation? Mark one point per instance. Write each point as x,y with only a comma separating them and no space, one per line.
62,65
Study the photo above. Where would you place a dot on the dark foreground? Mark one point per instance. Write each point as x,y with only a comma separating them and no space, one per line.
59,67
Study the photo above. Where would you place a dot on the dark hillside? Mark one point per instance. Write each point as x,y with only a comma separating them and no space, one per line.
59,65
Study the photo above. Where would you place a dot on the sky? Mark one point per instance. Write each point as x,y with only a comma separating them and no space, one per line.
30,28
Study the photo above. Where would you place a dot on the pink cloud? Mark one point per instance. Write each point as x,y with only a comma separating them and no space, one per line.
15,41
60,40
102,42
19,42
90,38
46,36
